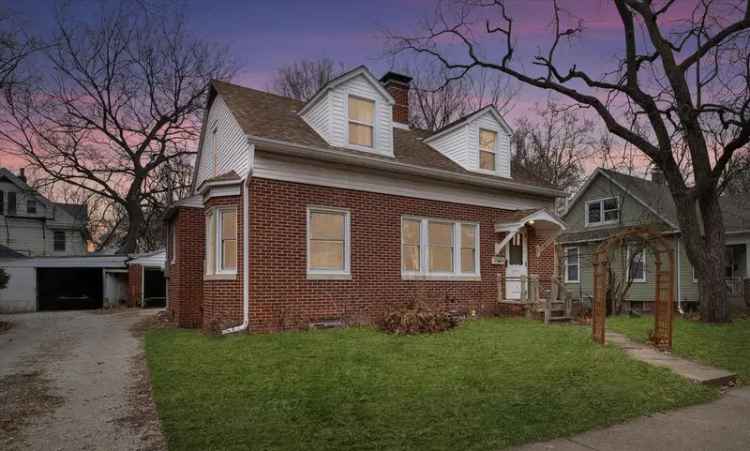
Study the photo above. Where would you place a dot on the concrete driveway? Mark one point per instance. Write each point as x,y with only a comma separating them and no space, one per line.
75,381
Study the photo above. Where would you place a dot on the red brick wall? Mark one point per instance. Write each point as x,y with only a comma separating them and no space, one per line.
135,284
185,275
282,297
222,299
400,93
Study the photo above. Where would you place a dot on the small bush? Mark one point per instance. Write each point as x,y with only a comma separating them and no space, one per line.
4,278
416,318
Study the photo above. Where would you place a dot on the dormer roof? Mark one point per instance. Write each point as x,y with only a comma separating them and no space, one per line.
447,129
343,78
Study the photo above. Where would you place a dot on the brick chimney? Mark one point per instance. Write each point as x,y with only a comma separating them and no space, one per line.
398,86
657,176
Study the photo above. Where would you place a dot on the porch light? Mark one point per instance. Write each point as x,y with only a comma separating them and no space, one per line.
531,222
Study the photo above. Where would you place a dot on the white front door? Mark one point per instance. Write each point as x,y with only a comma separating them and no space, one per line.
516,258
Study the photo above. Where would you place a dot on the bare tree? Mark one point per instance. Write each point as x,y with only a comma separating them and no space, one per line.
432,108
674,79
302,79
14,48
555,146
119,101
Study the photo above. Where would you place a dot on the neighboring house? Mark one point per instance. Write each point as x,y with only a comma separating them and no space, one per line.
334,209
610,201
34,226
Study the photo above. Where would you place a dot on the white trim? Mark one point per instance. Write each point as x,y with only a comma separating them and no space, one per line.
424,272
602,221
395,167
643,258
539,215
578,264
323,274
373,126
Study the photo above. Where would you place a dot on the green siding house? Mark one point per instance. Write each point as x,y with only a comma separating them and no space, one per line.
610,201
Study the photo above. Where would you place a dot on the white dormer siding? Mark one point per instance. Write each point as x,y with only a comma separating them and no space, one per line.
461,143
225,150
333,104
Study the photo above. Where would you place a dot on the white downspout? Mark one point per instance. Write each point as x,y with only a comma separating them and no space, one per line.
246,262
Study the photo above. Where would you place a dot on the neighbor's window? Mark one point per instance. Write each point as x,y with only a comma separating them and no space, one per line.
440,248
411,255
59,240
572,265
361,121
328,241
637,265
31,206
487,140
603,211
221,241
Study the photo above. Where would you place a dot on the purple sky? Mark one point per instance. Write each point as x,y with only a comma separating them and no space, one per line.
267,35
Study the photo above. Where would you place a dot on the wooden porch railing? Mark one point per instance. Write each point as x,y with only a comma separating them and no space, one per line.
556,302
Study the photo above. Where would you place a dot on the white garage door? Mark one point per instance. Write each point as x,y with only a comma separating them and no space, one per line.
20,295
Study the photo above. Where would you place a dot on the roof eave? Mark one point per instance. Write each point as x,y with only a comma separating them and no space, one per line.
323,154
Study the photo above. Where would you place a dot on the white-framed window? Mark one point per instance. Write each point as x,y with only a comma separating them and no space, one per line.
637,267
58,240
361,121
439,248
329,246
487,149
221,241
572,265
603,211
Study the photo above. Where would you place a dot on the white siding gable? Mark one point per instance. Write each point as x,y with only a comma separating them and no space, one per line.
334,104
462,144
224,147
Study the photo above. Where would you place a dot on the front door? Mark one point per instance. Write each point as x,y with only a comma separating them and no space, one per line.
516,266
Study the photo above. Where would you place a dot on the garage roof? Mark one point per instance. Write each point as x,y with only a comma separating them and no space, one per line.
87,261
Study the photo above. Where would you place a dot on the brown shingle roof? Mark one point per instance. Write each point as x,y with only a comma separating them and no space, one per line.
271,116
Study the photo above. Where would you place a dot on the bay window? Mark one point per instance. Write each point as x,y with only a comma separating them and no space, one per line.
439,249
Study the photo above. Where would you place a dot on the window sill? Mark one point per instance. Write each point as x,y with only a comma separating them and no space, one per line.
600,224
487,171
572,281
640,281
227,276
328,276
449,277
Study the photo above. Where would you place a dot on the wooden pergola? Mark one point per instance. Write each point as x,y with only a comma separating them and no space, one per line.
664,291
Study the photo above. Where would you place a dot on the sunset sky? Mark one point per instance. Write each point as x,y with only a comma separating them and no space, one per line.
267,35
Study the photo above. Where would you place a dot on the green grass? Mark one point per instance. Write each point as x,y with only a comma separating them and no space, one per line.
487,384
724,345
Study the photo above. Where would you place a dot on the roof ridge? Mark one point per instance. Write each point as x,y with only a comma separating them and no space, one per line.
268,93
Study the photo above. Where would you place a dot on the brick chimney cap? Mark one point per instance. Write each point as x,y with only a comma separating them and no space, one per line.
395,77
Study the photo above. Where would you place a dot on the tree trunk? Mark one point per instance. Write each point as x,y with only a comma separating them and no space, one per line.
136,220
706,251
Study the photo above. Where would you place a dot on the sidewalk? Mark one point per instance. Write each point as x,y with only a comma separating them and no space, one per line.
720,425
693,371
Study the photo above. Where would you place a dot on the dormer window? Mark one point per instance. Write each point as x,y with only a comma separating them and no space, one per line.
487,143
361,121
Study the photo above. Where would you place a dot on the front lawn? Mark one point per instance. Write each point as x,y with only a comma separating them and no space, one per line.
724,345
485,385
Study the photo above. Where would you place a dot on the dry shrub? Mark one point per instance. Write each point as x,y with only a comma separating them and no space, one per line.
417,317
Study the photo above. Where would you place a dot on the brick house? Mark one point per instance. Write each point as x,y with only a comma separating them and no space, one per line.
334,209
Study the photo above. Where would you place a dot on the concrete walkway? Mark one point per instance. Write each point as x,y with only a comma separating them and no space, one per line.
701,374
719,425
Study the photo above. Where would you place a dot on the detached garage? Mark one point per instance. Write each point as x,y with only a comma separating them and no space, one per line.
64,283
